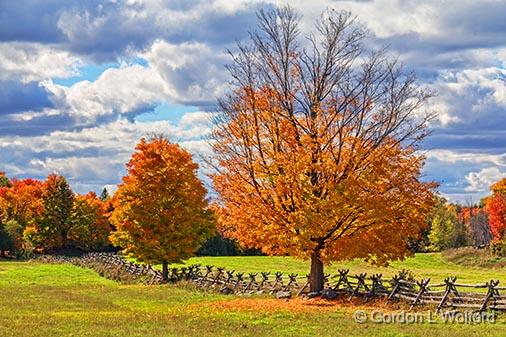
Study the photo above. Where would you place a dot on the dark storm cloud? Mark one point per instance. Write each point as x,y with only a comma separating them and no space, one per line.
494,142
477,18
31,20
43,124
17,97
40,124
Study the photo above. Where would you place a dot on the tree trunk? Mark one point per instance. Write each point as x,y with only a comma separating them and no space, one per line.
165,271
316,274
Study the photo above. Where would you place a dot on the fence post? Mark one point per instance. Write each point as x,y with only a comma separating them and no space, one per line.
279,279
239,280
492,293
423,289
225,287
343,278
174,276
306,285
184,271
396,284
252,279
376,285
360,284
216,279
450,288
292,281
265,278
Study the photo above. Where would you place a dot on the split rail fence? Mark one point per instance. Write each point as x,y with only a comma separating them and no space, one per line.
449,294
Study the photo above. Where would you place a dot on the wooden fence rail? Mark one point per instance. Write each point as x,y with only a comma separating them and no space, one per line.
446,295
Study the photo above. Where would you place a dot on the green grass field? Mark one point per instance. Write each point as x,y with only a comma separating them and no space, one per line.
63,300
432,265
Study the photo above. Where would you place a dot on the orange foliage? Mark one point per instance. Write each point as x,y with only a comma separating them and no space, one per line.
297,305
496,206
21,201
275,305
499,187
465,214
160,207
44,216
286,191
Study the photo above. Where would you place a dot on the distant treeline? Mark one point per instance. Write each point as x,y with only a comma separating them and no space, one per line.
452,226
221,246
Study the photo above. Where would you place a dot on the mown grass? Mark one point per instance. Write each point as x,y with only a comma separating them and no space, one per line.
63,300
428,265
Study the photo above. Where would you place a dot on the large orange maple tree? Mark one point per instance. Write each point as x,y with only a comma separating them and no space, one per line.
160,210
316,146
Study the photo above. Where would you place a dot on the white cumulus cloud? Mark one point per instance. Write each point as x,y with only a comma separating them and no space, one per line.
482,180
118,91
34,62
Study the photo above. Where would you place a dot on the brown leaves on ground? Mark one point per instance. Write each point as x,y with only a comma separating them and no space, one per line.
299,305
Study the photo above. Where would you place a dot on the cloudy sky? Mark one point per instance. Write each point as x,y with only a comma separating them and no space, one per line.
82,81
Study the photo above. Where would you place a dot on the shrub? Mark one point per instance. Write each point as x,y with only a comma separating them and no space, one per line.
221,246
498,248
6,242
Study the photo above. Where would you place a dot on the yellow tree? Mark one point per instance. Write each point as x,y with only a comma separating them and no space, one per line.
316,146
160,210
90,225
55,223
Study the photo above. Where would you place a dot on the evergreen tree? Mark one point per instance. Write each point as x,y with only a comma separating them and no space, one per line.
104,195
4,181
6,243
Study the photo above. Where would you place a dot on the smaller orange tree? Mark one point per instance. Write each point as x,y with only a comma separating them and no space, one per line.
21,201
160,210
20,207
